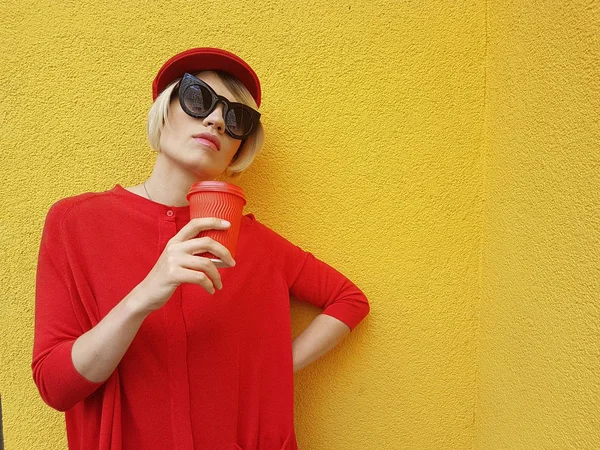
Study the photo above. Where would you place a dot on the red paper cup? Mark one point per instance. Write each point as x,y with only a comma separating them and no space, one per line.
218,199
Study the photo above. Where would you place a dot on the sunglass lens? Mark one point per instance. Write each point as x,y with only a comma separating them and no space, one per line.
197,99
239,121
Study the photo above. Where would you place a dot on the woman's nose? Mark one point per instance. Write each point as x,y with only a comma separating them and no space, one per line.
215,118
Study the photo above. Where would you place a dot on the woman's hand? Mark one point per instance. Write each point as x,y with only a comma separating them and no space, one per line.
97,352
179,264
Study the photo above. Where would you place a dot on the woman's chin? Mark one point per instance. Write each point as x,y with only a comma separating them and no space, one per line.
203,169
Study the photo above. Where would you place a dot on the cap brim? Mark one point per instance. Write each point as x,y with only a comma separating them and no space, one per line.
205,58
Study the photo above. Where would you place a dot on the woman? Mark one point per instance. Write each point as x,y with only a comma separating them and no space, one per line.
145,345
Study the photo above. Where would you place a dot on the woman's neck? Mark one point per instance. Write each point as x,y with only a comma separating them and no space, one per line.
169,185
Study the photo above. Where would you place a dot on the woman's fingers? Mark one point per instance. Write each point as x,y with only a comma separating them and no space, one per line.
199,263
195,277
204,244
195,226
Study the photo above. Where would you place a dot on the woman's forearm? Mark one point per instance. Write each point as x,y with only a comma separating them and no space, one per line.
97,352
323,333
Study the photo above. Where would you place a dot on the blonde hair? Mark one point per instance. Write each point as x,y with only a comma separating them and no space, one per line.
249,148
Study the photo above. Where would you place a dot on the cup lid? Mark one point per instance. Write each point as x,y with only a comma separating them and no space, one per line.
216,186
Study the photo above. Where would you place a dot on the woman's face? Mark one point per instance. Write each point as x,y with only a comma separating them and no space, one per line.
178,144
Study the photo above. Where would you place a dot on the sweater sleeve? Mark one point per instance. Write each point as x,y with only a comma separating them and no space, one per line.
325,287
60,385
312,280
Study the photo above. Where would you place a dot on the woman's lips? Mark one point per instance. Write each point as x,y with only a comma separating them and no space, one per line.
206,142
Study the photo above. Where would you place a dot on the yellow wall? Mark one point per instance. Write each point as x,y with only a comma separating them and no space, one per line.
439,106
539,382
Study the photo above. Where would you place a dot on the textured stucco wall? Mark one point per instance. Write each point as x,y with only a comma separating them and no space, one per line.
539,383
374,114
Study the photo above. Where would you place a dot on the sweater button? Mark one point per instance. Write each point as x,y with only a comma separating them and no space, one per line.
169,213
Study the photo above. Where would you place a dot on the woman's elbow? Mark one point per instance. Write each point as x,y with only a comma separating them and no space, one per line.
49,391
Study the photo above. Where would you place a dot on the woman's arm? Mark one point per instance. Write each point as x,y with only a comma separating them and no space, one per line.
323,333
72,357
69,365
97,353
312,280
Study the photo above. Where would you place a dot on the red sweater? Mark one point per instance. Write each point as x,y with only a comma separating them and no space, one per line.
203,372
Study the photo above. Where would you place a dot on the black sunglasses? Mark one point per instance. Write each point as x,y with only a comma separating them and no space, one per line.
198,100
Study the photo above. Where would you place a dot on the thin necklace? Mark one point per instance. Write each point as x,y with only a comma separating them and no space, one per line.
146,191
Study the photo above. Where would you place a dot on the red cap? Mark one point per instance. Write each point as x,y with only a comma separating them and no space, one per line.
206,58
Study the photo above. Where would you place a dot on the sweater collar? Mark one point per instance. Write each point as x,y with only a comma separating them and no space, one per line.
148,206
